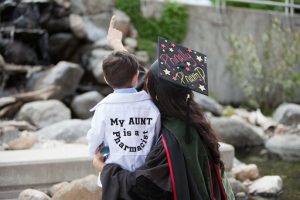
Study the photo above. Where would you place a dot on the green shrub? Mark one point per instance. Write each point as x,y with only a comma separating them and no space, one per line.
273,78
149,46
171,25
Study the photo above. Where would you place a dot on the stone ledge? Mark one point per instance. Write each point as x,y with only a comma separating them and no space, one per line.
40,167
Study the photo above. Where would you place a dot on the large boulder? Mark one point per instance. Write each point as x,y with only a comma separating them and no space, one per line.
82,104
65,75
237,186
95,61
68,130
286,146
44,113
31,194
208,104
85,188
122,22
8,133
227,155
21,143
266,186
288,114
83,28
62,46
235,131
244,172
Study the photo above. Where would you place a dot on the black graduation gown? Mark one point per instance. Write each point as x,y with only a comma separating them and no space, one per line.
165,175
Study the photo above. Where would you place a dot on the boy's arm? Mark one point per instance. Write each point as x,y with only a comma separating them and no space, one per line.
95,135
114,36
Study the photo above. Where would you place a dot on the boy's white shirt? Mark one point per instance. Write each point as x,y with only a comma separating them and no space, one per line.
105,128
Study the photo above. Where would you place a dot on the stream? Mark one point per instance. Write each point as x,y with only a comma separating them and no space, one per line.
271,165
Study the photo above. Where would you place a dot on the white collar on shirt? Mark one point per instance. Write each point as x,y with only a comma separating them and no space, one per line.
123,98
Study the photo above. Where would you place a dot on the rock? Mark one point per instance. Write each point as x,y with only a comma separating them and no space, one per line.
227,155
2,61
85,28
23,142
241,196
55,188
131,42
133,33
286,146
62,46
237,162
142,56
44,113
235,131
101,20
8,134
49,144
96,58
103,43
122,22
288,114
65,75
208,104
20,53
90,6
82,140
93,32
266,186
82,104
67,130
237,186
85,188
30,194
57,25
244,172
77,26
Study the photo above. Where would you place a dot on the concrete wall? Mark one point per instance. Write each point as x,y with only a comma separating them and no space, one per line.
208,32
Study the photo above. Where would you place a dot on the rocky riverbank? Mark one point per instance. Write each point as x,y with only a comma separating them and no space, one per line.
51,75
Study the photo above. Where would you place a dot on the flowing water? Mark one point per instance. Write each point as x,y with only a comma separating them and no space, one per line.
272,165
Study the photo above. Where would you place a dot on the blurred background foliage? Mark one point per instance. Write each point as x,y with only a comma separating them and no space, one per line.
173,23
273,78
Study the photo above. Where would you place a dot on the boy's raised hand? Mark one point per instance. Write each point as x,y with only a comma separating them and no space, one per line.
114,36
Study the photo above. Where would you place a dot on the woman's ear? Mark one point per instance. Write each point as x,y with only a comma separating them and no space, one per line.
105,80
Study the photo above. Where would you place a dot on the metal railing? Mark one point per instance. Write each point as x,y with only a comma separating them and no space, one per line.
288,5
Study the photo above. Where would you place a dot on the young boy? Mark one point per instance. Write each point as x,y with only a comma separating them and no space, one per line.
126,121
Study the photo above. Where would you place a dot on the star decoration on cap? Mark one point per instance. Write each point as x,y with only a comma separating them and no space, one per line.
199,58
182,66
167,72
202,88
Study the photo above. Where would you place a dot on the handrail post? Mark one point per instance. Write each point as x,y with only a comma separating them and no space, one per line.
224,5
286,7
292,7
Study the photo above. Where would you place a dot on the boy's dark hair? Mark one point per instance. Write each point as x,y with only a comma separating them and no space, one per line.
119,68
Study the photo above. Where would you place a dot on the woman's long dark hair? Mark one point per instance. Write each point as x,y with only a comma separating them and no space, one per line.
171,100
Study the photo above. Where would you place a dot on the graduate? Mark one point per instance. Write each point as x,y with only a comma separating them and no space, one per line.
185,162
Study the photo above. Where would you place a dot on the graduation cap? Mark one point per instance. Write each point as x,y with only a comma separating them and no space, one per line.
182,66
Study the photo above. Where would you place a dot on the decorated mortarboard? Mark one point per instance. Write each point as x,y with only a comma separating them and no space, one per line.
182,66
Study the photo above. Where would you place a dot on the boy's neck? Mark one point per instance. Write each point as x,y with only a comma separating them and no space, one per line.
121,88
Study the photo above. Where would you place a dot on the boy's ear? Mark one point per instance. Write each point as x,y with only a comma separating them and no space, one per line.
135,79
